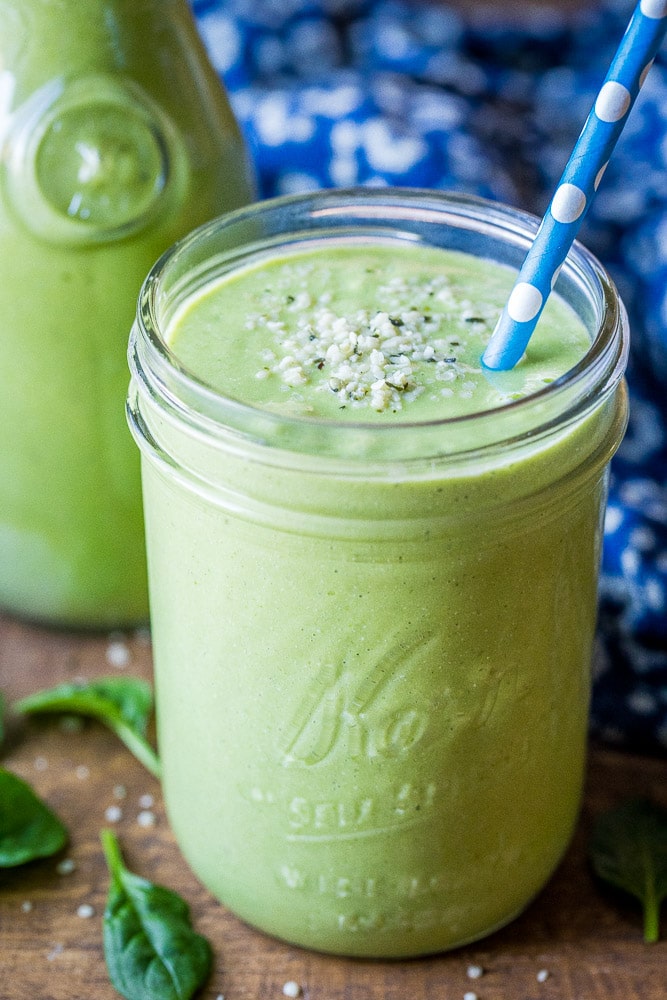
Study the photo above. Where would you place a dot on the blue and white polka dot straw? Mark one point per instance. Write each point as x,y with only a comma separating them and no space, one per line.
578,184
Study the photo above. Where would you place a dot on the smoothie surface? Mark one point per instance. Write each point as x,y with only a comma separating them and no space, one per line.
368,332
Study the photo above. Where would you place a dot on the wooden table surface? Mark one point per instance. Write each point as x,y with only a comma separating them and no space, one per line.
588,942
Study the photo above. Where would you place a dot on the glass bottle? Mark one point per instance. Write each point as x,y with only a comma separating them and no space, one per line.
116,138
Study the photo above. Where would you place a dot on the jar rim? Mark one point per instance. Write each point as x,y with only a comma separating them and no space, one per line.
421,214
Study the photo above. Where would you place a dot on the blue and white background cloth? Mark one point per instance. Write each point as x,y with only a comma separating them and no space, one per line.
334,93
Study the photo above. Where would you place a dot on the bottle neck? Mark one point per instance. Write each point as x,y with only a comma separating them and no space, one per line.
46,39
92,149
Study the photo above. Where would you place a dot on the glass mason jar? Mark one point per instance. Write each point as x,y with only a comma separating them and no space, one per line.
373,643
115,139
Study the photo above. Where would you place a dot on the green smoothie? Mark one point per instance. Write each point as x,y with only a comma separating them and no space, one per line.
116,139
372,657
366,335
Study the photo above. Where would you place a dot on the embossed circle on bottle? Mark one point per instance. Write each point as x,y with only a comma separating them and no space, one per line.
104,165
92,161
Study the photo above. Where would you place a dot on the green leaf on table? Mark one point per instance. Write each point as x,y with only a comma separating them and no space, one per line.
28,828
628,848
124,704
151,950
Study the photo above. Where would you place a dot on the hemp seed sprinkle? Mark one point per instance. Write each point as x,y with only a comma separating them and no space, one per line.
474,972
542,975
371,358
117,654
291,989
85,911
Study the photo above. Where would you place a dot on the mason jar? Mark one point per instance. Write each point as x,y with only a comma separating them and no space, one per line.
373,641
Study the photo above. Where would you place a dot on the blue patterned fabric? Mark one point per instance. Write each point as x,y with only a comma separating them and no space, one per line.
333,93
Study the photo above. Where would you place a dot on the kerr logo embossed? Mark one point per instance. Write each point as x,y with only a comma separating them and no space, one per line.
362,713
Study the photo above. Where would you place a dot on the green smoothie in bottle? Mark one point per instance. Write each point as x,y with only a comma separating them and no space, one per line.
372,564
116,139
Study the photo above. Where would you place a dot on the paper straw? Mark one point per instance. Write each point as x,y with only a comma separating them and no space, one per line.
577,186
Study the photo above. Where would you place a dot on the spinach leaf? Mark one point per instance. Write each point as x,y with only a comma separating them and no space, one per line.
151,950
124,704
28,828
628,848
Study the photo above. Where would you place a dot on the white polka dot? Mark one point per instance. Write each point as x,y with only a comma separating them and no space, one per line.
653,8
276,121
118,654
524,303
613,519
388,152
654,595
613,102
600,175
642,702
568,203
643,539
297,182
630,562
222,39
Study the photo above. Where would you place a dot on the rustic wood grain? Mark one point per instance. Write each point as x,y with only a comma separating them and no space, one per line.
589,942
